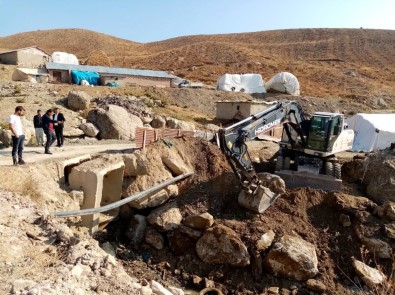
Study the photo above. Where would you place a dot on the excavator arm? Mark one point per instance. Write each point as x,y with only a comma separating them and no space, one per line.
233,139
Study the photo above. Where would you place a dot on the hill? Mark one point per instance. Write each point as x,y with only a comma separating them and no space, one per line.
354,63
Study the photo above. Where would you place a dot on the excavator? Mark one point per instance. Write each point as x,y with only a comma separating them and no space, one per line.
306,156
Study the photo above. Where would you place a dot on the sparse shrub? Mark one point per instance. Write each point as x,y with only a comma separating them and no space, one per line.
20,100
17,89
36,102
149,103
29,187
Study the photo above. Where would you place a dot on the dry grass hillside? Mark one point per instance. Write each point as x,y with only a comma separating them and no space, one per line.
354,63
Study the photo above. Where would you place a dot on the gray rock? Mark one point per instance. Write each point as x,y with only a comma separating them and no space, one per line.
78,100
89,129
114,122
136,230
165,218
158,122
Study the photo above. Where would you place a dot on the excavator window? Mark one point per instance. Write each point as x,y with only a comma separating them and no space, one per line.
317,139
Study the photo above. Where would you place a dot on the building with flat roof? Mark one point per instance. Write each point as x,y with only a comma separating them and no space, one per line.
123,76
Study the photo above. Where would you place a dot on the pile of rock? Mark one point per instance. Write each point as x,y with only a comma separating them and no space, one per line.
133,105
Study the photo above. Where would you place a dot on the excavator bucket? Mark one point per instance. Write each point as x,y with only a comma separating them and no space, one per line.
257,201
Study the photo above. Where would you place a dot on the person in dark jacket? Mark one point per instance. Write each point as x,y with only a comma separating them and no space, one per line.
38,128
48,127
59,117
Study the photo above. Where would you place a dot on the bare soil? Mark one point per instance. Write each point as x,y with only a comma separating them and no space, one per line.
338,70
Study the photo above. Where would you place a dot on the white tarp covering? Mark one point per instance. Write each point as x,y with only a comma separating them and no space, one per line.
64,58
284,82
30,75
372,131
249,83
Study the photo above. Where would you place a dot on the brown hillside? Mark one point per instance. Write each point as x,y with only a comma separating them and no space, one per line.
328,62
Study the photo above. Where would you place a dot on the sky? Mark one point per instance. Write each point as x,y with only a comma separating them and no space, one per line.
156,20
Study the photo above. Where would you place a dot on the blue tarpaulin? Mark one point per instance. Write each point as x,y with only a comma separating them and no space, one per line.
91,77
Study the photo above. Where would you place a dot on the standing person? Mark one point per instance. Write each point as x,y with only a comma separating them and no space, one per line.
18,138
38,128
59,126
48,127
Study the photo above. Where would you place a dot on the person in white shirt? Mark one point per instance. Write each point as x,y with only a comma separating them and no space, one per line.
18,137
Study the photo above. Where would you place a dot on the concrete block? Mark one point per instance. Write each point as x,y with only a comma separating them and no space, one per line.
101,181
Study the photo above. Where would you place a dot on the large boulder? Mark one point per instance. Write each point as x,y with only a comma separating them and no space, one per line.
221,245
292,258
114,122
78,100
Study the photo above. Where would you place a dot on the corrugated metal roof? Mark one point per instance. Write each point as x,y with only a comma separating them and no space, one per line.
108,70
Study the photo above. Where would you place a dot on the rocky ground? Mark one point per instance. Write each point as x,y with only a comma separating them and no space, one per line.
193,235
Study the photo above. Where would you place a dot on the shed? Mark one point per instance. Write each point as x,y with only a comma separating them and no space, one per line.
28,57
123,76
372,131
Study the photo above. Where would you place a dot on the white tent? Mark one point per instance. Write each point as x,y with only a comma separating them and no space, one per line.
30,75
249,83
284,82
64,58
372,131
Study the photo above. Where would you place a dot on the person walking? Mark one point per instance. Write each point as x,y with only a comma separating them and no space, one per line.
38,128
48,127
18,137
59,117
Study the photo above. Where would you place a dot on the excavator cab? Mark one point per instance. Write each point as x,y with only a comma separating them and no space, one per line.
325,128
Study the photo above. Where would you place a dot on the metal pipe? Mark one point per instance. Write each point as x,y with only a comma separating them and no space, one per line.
121,202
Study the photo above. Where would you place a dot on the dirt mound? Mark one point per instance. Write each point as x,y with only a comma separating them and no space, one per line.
313,215
98,58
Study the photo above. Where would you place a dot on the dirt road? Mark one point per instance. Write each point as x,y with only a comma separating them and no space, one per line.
36,154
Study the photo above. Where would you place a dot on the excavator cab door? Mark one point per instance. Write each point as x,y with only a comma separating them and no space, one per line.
324,131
